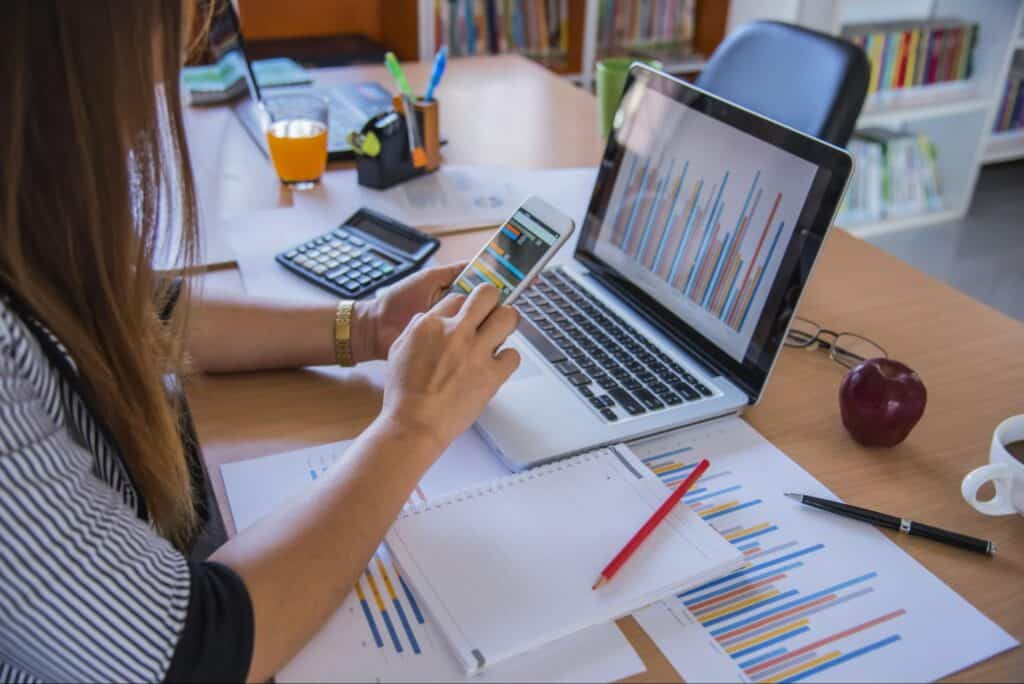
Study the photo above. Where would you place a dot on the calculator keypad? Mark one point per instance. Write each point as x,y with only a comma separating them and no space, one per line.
342,258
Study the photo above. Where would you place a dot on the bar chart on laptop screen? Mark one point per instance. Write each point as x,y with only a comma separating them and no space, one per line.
702,213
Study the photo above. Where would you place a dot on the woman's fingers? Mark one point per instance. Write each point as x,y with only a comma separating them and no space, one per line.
498,326
507,361
478,305
441,278
450,305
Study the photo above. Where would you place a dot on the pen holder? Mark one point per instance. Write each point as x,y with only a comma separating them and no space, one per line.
382,147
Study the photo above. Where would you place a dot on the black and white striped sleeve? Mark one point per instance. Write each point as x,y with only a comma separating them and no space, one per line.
88,591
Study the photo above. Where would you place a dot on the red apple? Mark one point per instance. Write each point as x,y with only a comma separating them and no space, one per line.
881,401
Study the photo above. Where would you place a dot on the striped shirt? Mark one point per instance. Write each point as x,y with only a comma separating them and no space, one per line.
89,591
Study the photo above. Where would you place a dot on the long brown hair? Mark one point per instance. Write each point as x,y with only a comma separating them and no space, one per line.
93,168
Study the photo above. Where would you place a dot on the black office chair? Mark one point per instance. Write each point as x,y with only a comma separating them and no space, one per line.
813,82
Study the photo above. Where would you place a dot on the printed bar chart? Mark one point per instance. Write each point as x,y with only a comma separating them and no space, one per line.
714,254
389,607
779,617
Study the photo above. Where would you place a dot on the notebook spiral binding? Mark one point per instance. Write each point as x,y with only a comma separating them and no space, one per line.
498,484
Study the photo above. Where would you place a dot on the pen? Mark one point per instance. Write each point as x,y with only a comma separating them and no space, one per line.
652,522
904,525
419,157
391,62
440,62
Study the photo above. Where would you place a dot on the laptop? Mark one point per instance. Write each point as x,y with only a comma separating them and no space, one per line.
350,105
691,260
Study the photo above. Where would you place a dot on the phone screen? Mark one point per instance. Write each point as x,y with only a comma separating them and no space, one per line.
509,257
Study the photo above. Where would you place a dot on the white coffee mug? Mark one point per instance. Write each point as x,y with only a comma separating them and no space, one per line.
1003,470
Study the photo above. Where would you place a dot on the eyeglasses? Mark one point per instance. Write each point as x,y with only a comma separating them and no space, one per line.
846,349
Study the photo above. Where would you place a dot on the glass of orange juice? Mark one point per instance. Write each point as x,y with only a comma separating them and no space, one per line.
296,130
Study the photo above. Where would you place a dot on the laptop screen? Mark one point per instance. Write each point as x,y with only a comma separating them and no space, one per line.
224,39
704,209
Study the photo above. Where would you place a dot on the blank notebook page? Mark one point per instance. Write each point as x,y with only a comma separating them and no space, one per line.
508,566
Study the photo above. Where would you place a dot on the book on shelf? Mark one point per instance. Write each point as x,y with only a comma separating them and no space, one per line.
904,54
652,29
1010,113
536,28
896,175
225,80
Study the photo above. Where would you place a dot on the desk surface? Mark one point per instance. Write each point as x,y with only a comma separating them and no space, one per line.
967,354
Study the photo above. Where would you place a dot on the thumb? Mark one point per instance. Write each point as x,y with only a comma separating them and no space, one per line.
441,277
445,275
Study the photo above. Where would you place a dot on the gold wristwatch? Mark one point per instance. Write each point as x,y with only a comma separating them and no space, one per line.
343,333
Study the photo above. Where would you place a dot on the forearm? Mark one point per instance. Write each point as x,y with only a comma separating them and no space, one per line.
301,563
227,335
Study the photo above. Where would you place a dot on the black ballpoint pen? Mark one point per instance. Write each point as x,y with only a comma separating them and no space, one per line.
904,525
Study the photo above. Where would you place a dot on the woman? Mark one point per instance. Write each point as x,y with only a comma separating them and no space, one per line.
99,504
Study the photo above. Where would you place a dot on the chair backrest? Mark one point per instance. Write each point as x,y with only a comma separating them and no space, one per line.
810,81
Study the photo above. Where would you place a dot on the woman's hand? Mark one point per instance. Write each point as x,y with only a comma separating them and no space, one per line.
378,323
444,369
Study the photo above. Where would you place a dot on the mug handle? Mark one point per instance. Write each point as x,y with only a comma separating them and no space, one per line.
1001,476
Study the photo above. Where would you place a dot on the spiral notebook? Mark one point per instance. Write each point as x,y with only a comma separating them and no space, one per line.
507,567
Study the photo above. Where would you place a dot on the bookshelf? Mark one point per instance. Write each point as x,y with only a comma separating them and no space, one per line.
957,116
582,45
1003,146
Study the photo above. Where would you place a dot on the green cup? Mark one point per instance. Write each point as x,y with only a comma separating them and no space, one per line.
611,79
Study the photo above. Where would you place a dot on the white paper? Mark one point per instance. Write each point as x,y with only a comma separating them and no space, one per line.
451,198
813,576
347,648
507,566
255,238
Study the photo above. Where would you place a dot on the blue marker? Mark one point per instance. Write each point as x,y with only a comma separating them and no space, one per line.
440,62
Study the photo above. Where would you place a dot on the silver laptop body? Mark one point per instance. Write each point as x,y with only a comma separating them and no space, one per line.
710,280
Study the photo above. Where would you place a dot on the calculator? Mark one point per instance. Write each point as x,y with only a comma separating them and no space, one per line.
366,252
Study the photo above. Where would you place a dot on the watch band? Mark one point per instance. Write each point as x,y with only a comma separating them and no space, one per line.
343,333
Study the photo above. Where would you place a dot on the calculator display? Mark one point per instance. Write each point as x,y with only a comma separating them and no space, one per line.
386,235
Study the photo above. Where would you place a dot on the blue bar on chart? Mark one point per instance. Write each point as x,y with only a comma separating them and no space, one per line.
763,615
667,221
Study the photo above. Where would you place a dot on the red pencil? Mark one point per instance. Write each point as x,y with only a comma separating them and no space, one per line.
633,544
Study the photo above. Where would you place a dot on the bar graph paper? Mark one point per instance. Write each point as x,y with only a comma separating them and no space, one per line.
808,604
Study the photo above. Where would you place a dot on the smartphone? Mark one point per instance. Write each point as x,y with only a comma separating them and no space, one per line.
518,251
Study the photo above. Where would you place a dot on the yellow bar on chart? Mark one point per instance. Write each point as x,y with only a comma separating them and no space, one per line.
487,274
803,667
464,285
721,507
373,588
387,580
667,468
749,530
737,606
766,636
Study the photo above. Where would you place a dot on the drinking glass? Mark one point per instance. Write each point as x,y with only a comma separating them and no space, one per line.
296,130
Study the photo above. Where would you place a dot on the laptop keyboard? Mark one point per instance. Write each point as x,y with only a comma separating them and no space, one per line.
610,365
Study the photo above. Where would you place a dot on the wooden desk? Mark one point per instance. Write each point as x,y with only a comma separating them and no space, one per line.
503,111
969,356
